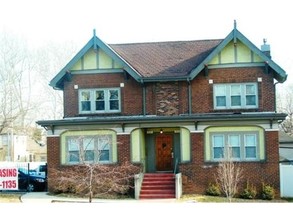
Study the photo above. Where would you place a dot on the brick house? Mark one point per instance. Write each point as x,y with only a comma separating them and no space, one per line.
172,107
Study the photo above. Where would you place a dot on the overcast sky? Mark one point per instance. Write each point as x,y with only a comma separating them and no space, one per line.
123,21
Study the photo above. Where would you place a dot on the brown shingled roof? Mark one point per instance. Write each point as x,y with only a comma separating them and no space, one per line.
165,59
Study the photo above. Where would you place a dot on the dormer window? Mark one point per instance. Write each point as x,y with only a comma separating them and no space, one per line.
235,96
99,101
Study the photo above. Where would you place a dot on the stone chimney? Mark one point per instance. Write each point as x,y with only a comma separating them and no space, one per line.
266,49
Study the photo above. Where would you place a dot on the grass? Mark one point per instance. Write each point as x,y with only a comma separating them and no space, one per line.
9,197
220,199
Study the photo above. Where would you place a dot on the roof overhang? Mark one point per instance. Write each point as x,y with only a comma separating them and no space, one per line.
162,119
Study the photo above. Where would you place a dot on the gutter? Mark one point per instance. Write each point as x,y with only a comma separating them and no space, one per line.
161,119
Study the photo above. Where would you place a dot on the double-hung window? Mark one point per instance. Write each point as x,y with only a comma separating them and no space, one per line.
89,148
235,96
99,100
239,146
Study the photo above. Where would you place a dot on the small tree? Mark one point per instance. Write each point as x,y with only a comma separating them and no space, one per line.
229,174
90,177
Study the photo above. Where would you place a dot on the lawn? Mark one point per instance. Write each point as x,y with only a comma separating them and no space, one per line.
8,197
205,198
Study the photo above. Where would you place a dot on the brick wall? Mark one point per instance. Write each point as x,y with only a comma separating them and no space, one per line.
131,93
171,98
53,156
198,174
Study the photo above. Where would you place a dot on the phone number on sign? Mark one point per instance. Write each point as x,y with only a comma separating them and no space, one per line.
8,184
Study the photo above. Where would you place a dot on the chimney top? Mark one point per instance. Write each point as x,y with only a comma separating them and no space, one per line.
265,48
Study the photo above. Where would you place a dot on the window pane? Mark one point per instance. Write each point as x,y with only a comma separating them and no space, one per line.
218,140
221,101
114,105
100,100
218,152
250,146
234,140
88,143
234,145
100,95
85,101
218,146
235,152
73,144
250,152
220,90
74,156
250,94
235,100
250,140
220,95
250,90
100,105
104,142
104,155
235,90
250,100
89,155
113,94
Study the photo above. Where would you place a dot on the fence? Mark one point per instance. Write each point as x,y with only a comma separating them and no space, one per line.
286,180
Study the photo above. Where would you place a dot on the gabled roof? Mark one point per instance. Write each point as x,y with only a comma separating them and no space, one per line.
157,61
235,35
95,43
166,59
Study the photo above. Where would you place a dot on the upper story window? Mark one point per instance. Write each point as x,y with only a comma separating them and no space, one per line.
99,100
235,96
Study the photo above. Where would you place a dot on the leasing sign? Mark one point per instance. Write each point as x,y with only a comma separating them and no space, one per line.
8,178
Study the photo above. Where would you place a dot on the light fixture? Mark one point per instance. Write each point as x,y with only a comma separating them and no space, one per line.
161,131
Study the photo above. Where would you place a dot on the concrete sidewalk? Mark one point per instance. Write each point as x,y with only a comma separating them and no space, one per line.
43,197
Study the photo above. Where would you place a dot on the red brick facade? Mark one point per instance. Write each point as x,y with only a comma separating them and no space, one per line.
198,174
174,94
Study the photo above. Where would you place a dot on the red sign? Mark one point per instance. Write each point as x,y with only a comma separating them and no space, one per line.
8,178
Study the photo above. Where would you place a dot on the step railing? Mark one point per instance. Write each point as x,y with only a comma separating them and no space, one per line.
138,178
178,185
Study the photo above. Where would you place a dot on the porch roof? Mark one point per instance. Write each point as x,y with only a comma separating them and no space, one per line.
271,116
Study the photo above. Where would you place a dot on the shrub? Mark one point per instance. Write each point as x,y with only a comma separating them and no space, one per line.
249,192
213,190
268,192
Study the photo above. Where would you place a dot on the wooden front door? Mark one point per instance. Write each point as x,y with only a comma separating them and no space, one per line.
164,152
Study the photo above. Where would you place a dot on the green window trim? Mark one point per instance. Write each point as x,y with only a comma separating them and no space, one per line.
185,151
247,143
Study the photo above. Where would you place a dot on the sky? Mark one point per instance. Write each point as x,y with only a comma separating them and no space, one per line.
126,21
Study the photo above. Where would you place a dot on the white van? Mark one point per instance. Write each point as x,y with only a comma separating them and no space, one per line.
41,170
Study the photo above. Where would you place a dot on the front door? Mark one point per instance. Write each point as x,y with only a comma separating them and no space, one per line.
164,152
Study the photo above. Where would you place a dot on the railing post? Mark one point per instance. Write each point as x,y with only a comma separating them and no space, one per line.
178,185
137,184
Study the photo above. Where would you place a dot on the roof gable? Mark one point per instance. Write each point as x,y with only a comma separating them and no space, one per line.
236,38
165,61
94,46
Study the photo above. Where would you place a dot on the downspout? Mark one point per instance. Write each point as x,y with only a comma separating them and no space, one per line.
275,102
189,97
143,98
